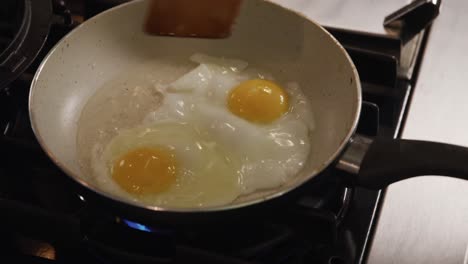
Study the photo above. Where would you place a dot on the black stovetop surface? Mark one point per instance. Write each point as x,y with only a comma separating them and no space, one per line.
329,223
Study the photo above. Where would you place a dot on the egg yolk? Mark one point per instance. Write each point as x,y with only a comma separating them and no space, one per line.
258,101
145,170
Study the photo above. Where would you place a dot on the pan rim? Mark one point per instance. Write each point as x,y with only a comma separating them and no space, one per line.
92,187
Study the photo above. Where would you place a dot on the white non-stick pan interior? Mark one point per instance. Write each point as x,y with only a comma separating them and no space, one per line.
265,34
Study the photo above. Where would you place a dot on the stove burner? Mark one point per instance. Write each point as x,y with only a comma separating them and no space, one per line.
327,224
136,225
25,35
10,22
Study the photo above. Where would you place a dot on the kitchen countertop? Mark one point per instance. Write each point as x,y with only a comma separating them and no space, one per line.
425,219
346,14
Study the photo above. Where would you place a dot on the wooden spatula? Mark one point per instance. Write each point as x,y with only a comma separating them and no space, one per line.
192,18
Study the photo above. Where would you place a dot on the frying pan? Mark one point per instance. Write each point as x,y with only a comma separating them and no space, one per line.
288,44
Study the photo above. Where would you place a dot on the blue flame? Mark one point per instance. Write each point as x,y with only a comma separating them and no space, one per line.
136,225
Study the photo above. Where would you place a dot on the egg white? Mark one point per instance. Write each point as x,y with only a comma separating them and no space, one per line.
223,156
204,177
266,155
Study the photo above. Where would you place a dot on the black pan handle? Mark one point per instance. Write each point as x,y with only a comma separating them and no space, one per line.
390,160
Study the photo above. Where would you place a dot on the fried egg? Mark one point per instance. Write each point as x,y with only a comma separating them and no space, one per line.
223,130
171,164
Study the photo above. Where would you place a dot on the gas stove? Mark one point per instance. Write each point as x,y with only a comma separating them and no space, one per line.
330,223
